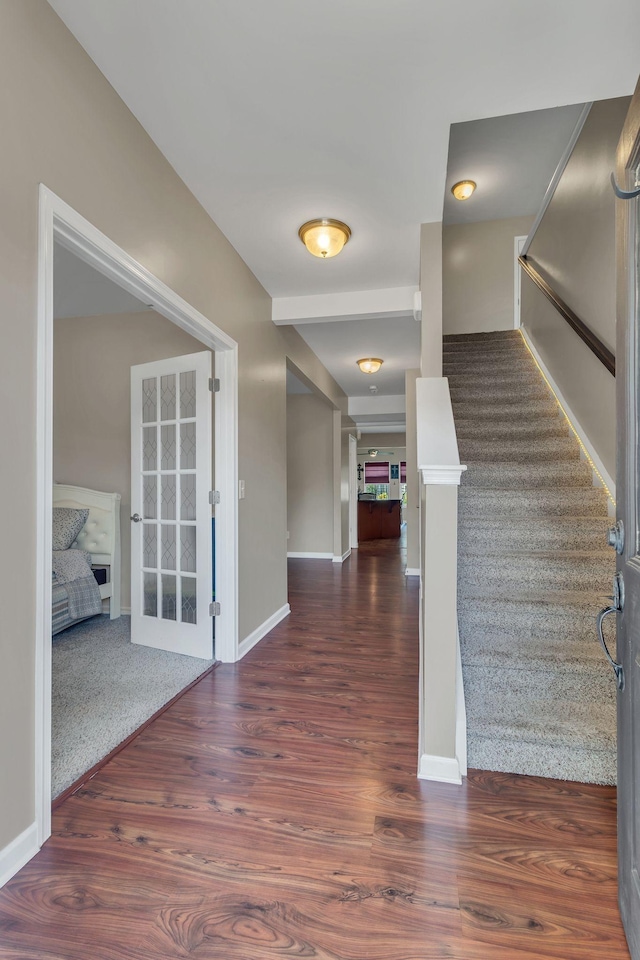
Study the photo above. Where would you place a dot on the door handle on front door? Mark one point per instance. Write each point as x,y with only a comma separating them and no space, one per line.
617,606
136,518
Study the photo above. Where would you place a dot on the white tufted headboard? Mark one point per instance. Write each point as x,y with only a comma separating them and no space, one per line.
100,535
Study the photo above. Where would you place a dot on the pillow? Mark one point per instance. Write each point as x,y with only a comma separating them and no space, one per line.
67,524
71,565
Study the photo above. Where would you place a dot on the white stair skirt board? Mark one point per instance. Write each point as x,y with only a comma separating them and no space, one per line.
18,852
442,769
461,716
573,420
344,556
412,572
306,555
256,635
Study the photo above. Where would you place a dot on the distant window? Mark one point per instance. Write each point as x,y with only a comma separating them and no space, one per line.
403,471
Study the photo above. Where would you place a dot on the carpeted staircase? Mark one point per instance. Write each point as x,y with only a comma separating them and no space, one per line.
533,570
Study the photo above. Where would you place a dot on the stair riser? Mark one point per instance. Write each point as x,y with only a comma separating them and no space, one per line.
542,502
488,337
480,348
518,412
536,760
459,364
511,429
499,392
509,379
518,685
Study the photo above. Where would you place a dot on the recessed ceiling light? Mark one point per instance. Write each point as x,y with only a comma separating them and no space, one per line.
324,238
369,364
463,189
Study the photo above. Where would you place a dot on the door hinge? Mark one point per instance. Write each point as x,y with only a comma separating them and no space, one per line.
214,609
214,496
214,385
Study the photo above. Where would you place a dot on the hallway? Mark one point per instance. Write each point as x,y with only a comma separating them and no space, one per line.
274,811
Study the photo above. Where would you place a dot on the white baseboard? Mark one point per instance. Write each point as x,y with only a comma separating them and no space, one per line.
442,769
18,852
256,635
344,556
412,572
308,555
573,420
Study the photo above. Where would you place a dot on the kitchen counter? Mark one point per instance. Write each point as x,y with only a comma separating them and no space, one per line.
379,519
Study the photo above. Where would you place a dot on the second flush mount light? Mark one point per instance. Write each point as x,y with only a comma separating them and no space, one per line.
369,364
463,189
324,238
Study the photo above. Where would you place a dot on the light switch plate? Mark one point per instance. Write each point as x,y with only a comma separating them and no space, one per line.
240,489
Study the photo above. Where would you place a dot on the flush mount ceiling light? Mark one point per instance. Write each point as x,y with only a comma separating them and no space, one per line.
463,189
324,238
369,364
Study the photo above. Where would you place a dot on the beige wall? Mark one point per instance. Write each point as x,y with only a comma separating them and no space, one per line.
91,402
63,125
478,274
310,474
431,291
575,247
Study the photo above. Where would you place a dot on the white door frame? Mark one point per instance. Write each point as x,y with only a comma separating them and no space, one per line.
57,220
353,492
518,247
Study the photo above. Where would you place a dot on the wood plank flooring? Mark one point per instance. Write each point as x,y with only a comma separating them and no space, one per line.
274,812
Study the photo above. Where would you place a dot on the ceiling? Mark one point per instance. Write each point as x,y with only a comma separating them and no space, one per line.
340,345
274,113
80,291
512,159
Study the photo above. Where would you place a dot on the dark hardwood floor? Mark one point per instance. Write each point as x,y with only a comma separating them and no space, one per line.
274,811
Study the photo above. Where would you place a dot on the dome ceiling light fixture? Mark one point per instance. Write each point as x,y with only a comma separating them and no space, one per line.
369,364
463,189
325,237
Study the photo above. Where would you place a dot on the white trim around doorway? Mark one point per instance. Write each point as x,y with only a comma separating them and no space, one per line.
60,222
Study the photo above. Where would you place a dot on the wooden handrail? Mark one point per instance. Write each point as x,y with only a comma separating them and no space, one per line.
588,336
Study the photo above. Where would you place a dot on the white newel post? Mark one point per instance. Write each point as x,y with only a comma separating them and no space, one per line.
442,734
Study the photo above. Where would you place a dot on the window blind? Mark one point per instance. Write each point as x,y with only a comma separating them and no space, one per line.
403,471
376,471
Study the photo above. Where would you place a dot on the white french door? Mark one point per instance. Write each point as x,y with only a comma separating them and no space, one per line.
171,539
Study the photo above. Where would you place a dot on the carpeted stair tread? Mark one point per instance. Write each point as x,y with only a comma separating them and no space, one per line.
520,616
540,653
475,429
484,535
540,571
532,502
518,450
486,389
497,475
483,409
534,569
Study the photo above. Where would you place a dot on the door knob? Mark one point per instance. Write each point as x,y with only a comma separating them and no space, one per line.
136,518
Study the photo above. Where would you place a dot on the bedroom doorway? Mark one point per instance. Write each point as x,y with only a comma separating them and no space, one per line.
60,224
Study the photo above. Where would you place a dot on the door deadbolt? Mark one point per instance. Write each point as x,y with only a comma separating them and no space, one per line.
615,536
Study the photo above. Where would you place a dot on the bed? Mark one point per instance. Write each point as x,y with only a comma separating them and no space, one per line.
86,573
